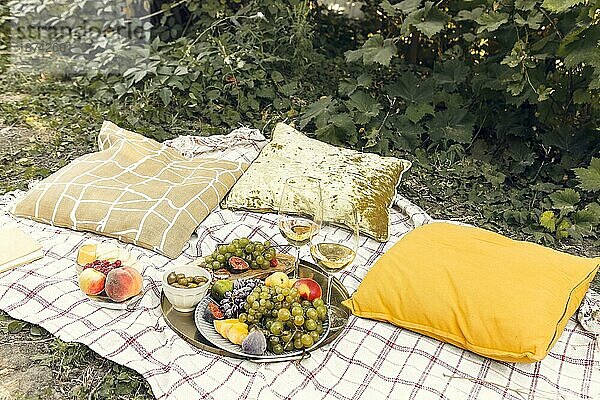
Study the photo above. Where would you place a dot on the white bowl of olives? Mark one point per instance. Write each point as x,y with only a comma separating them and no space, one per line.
185,286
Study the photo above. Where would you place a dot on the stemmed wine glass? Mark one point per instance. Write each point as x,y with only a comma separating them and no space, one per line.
334,247
300,213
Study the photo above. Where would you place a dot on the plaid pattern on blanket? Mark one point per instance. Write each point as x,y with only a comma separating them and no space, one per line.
370,360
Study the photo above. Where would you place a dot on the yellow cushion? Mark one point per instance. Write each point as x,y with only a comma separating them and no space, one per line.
478,290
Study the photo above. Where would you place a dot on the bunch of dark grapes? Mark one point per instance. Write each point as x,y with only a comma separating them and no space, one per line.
103,266
258,255
233,301
287,321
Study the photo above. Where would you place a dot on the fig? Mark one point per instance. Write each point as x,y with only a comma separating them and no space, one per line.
212,312
237,265
255,343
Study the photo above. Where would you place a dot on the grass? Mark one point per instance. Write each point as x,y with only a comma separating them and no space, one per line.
41,366
45,123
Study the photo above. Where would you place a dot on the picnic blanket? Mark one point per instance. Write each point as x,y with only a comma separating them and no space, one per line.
369,360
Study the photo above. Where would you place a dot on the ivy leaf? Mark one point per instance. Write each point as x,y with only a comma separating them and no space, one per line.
399,133
415,111
339,130
589,177
429,20
453,124
565,200
534,20
560,6
347,87
364,80
366,105
412,89
343,121
317,110
433,23
525,5
491,21
562,229
548,220
582,47
585,220
469,15
165,95
408,6
374,50
388,9
450,73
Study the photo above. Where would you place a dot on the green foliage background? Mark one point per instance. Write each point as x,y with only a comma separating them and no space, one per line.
506,94
495,102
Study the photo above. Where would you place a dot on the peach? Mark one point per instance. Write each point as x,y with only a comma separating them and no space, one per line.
123,283
308,289
237,333
91,281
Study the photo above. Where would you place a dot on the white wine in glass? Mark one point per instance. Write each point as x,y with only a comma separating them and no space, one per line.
332,257
297,231
300,212
334,247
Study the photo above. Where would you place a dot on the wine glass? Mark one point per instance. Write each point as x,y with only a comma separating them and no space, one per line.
334,247
300,213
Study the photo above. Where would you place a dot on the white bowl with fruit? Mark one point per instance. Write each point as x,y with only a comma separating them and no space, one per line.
108,274
185,285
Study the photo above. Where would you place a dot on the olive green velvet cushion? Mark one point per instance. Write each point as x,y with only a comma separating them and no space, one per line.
367,180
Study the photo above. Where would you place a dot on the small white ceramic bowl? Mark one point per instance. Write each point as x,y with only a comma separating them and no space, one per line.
183,299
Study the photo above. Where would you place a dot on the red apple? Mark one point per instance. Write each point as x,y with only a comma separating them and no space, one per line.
308,289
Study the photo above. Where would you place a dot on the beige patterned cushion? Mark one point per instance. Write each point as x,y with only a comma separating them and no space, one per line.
367,180
133,189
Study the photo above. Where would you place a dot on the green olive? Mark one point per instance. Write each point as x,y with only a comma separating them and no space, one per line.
200,279
192,285
172,278
183,281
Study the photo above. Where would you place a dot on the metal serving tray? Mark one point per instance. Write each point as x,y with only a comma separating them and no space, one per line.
183,322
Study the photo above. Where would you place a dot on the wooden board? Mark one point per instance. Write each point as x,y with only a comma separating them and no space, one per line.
286,264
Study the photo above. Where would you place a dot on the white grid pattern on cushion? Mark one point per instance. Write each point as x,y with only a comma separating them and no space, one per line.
140,191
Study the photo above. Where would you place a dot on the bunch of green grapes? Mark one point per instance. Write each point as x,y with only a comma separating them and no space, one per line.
258,255
287,321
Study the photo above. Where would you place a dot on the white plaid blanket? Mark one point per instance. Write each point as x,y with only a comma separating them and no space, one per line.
370,360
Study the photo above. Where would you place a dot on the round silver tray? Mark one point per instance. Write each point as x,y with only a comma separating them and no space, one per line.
184,325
